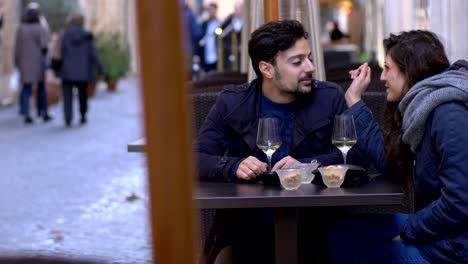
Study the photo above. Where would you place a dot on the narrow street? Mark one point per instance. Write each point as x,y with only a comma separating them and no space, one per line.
76,192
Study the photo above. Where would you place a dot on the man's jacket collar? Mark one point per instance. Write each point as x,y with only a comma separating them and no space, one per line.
244,116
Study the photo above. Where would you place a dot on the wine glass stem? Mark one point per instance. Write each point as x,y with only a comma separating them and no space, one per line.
269,163
344,157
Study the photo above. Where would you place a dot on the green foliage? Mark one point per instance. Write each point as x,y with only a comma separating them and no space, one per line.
365,56
114,54
55,11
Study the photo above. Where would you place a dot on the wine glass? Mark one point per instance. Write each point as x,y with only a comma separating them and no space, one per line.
268,137
344,134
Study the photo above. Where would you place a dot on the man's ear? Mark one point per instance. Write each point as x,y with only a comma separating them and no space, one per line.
266,69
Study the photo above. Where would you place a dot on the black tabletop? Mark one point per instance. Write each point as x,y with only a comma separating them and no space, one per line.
214,195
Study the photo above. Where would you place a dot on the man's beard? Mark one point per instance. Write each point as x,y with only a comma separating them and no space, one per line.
304,89
298,89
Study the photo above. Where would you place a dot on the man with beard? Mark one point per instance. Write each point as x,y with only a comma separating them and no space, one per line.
226,145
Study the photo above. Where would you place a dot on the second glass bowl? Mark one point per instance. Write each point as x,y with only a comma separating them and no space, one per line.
333,176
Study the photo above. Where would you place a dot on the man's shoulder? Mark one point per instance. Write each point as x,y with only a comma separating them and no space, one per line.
327,86
238,90
234,95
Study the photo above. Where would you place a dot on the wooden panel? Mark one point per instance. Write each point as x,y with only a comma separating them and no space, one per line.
270,10
168,131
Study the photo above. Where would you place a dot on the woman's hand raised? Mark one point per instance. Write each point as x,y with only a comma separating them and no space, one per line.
361,79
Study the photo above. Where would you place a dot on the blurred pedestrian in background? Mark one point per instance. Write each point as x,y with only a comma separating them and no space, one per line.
232,28
42,19
79,63
334,31
193,34
208,50
30,59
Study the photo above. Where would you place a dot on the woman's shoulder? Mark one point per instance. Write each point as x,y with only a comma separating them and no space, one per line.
453,108
31,29
37,27
450,116
29,26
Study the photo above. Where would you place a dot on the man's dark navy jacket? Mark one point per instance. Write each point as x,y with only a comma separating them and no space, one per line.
230,129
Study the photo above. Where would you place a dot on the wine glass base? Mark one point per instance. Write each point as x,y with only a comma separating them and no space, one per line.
270,179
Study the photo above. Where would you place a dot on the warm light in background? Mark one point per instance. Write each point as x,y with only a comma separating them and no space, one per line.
346,6
346,10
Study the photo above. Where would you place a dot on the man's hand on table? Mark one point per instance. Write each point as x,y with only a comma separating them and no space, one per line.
250,168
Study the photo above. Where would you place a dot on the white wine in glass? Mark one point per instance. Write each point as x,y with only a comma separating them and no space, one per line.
344,134
268,137
344,145
269,149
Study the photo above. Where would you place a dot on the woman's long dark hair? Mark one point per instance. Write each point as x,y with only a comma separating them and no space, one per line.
419,54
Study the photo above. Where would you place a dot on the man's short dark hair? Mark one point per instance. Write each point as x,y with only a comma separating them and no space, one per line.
214,5
272,37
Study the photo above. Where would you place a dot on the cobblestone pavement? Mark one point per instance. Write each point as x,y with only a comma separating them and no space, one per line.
76,192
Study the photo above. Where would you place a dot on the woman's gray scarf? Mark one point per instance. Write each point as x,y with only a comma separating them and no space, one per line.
425,96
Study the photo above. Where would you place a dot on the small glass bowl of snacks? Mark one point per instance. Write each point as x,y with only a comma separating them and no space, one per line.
290,178
333,176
